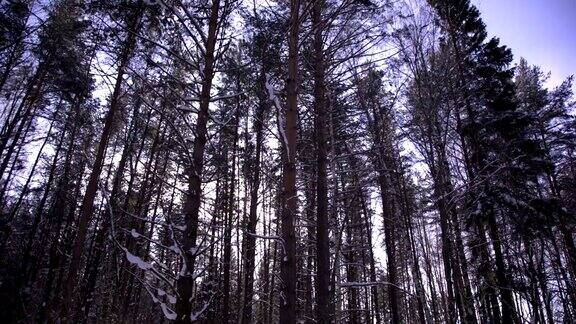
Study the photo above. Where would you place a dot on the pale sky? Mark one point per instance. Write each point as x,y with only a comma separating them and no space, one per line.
541,31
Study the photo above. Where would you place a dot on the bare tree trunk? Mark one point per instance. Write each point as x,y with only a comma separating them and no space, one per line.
508,309
289,198
24,191
373,289
230,212
193,197
324,300
40,208
87,207
249,240
310,250
91,274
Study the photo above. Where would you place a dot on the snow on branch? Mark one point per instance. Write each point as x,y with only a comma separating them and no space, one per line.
196,315
273,237
281,122
168,313
137,260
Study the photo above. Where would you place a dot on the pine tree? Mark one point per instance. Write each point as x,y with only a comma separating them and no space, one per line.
288,161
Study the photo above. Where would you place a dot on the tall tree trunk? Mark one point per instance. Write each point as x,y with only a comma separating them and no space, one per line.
374,289
110,210
324,300
24,269
24,111
193,197
87,206
230,211
508,309
289,198
249,240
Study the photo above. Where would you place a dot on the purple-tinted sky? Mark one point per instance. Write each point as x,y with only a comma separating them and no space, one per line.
541,31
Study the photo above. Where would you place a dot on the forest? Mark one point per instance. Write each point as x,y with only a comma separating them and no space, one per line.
280,161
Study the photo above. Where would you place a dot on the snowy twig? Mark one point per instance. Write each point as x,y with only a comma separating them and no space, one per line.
281,122
275,238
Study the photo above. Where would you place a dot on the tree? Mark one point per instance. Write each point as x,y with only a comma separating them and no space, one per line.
289,133
288,161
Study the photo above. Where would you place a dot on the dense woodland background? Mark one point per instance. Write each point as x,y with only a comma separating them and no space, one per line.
292,161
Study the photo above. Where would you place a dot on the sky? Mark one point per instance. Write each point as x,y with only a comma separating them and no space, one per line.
541,31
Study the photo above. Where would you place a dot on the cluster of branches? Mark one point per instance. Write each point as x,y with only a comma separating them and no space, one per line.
313,161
